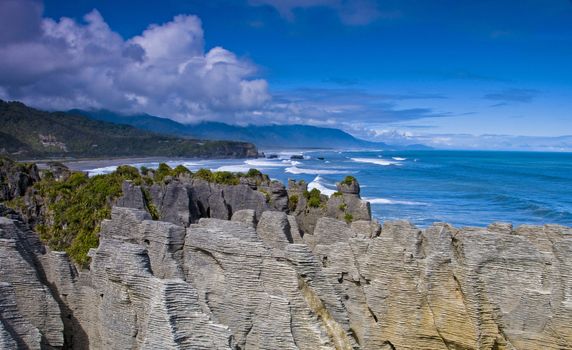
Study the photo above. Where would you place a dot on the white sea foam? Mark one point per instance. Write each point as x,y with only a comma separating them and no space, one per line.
398,158
391,201
320,184
376,161
325,182
296,170
237,168
151,165
101,171
258,163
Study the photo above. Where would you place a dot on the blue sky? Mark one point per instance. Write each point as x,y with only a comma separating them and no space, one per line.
403,70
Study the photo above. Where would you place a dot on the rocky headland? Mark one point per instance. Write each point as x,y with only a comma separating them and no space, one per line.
29,133
224,261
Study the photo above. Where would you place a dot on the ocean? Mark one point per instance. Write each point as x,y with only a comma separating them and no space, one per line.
464,188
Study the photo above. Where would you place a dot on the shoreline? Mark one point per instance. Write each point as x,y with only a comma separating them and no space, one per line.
495,185
115,161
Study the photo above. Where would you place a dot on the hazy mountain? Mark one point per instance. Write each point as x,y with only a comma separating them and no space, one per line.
280,136
30,133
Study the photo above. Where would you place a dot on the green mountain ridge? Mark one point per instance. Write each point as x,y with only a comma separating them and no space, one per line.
28,133
263,136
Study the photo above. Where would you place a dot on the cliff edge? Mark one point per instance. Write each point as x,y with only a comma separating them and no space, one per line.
273,275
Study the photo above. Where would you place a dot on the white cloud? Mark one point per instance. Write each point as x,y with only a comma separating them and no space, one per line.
61,64
471,142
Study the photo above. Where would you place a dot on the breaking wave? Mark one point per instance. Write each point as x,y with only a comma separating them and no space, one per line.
296,170
391,201
320,184
375,161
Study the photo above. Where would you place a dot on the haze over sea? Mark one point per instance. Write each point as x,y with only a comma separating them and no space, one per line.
464,188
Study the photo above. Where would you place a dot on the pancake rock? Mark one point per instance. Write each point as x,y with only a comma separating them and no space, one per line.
238,273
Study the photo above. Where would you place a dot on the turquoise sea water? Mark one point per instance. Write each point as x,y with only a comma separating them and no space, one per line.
465,188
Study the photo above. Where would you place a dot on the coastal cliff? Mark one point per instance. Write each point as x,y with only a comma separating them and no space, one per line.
200,262
29,133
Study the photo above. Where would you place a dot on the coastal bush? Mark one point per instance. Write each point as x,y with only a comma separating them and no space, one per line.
343,207
293,202
348,180
162,172
75,208
313,193
144,170
46,174
225,178
314,202
253,173
313,197
337,194
219,177
151,208
129,172
266,195
180,169
348,218
204,174
17,203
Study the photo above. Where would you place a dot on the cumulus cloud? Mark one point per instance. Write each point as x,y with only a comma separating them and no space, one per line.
61,64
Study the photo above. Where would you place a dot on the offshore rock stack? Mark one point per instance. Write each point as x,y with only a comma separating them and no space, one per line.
230,267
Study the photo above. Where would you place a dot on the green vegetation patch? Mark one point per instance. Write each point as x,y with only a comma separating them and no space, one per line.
348,180
266,195
313,197
348,218
181,170
226,177
149,204
162,172
293,202
76,207
253,173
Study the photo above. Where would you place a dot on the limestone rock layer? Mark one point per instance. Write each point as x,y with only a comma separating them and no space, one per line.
258,282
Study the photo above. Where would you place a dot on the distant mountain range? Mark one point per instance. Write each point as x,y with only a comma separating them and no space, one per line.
266,136
27,133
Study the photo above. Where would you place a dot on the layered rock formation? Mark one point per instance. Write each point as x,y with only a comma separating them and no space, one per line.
262,281
15,178
185,200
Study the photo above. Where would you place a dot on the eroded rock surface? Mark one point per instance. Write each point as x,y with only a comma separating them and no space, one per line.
255,282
